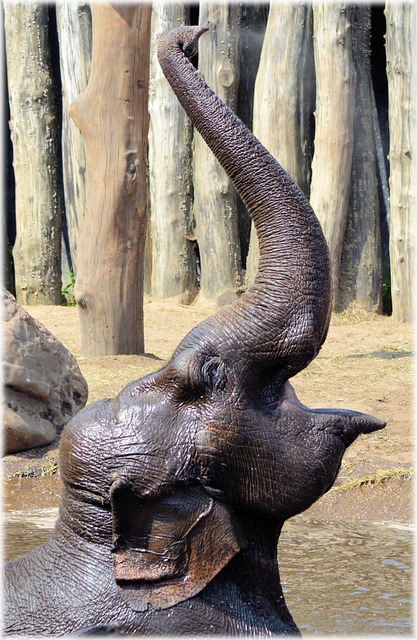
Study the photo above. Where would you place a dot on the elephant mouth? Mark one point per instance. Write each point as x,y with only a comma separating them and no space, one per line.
342,423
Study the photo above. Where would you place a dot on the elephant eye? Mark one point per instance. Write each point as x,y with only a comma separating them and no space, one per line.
214,374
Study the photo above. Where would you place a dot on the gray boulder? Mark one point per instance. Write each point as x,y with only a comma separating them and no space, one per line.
43,385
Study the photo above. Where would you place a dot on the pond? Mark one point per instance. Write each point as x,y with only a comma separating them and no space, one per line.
337,577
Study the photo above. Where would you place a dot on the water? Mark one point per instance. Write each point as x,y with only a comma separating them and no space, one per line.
338,577
23,532
352,578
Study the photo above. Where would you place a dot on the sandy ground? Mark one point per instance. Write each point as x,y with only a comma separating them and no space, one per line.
365,365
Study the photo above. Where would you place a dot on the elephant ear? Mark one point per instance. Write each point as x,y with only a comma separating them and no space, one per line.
167,548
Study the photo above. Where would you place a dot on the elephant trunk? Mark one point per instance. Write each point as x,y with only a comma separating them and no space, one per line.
282,320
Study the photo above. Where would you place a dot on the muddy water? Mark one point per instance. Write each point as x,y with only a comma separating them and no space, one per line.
338,577
353,578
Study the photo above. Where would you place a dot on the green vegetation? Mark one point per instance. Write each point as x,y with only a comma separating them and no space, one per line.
67,292
386,298
49,468
382,475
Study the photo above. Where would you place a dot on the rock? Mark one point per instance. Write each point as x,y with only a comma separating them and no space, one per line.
43,384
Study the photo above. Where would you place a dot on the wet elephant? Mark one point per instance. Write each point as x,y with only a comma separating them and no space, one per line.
175,491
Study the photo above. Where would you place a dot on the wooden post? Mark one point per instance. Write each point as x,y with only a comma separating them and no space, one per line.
74,33
361,263
174,269
215,201
333,142
112,115
33,124
284,99
400,40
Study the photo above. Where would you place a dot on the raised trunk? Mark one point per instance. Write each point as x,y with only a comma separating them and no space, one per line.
288,304
112,115
33,125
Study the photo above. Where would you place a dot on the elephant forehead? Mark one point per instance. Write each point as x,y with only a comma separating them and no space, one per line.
144,440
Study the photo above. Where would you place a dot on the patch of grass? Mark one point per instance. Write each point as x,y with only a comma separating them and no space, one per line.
353,314
382,475
67,292
47,469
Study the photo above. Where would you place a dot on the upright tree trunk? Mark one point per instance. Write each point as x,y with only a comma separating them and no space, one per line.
74,32
400,39
112,115
285,88
174,269
215,203
361,266
284,98
9,203
33,124
333,143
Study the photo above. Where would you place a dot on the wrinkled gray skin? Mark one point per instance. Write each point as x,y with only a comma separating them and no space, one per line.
175,491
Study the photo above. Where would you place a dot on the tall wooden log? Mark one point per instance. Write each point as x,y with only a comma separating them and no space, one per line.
174,268
74,33
8,227
284,98
112,115
215,204
361,261
400,39
285,90
33,124
333,143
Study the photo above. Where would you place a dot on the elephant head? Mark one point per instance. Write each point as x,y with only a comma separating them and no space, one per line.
175,491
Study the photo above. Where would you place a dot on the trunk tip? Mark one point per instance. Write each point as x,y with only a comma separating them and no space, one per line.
184,38
189,45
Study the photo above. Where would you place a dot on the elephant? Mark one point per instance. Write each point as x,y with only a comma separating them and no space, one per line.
176,490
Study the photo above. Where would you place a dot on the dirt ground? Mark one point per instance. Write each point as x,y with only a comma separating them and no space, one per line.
365,365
